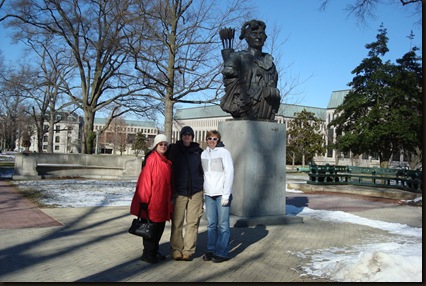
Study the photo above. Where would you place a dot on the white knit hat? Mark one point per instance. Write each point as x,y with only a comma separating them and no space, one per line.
160,138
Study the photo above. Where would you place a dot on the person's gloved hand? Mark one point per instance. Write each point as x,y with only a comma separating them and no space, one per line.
144,206
225,202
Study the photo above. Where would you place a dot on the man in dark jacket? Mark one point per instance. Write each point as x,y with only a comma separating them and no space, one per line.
188,178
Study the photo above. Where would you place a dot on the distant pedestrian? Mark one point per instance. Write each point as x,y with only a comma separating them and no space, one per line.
218,179
153,193
188,204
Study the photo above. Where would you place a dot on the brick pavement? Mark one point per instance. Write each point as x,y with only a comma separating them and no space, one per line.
92,245
18,212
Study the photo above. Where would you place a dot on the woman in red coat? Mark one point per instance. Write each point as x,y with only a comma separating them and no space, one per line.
153,193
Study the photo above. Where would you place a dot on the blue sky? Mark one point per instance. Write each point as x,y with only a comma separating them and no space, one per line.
323,47
320,48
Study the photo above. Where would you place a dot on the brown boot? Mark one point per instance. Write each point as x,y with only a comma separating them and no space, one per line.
187,257
177,255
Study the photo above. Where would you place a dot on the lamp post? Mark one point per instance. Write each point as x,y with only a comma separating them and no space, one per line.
97,142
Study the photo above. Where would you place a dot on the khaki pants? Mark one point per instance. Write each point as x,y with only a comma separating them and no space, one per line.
192,209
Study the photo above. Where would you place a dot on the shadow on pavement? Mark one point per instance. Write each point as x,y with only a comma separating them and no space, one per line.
241,238
21,255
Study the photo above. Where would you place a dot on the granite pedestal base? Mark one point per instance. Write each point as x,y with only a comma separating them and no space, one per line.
258,149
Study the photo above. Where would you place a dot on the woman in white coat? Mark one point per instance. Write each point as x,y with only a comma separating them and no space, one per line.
218,178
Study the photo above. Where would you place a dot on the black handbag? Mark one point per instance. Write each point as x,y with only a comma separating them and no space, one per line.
142,227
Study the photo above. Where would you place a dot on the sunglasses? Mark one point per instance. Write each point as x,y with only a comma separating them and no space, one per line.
214,139
163,144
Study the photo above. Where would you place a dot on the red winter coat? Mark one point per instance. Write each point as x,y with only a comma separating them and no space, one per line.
154,188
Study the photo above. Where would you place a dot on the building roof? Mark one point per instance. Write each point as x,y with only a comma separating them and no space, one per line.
207,111
337,98
130,123
65,116
290,110
286,110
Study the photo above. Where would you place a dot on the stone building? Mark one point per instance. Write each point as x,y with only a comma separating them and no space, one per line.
205,118
117,139
67,135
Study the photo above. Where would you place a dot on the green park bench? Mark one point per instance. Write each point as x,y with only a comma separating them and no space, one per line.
327,174
381,177
413,180
409,180
303,169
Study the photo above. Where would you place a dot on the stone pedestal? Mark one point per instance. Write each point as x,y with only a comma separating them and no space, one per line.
258,149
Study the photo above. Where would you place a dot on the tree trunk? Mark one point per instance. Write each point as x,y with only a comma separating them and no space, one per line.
50,133
40,128
168,119
88,135
414,159
168,101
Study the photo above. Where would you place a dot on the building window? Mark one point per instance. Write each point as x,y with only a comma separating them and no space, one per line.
57,139
330,136
396,156
56,148
329,152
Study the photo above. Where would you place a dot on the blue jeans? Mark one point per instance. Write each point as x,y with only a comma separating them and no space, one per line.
218,226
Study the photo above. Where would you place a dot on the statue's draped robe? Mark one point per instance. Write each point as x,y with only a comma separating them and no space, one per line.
250,85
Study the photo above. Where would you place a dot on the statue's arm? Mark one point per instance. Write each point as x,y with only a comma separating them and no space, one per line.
230,63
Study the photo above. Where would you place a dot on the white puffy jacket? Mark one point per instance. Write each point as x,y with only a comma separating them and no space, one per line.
218,172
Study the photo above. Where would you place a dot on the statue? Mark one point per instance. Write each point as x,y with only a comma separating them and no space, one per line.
250,76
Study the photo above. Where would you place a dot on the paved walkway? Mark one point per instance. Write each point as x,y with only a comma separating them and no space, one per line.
92,244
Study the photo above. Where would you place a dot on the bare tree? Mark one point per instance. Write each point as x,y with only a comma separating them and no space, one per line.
14,103
94,34
365,9
178,53
1,6
40,86
53,69
116,135
287,83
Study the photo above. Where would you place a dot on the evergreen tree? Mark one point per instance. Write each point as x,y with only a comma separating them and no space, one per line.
382,112
409,79
140,143
304,139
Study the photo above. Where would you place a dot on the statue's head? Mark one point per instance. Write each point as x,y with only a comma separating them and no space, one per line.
254,33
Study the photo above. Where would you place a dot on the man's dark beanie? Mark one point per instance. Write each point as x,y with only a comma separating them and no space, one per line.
187,129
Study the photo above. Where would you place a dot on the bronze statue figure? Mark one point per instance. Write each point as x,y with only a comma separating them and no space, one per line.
250,76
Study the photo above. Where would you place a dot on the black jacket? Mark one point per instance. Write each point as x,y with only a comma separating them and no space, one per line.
187,169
